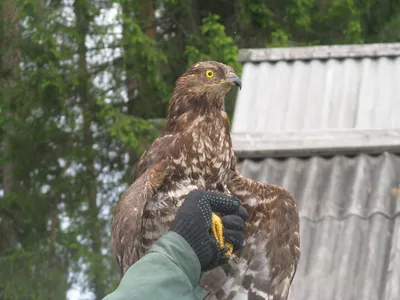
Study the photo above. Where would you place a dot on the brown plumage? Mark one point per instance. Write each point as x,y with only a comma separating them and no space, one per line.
194,151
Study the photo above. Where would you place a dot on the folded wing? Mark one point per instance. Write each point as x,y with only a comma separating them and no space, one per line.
265,267
127,219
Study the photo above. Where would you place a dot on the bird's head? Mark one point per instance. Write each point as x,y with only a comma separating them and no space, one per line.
204,84
210,77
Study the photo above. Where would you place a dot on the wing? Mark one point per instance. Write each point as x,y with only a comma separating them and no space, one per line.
127,219
265,267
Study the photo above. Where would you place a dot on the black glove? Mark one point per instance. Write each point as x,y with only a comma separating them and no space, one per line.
234,227
193,223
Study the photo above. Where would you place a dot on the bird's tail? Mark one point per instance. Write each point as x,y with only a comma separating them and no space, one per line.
246,276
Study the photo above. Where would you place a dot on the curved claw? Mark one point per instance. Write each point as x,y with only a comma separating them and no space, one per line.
229,249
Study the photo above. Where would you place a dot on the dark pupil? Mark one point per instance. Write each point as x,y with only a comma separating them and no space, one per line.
209,74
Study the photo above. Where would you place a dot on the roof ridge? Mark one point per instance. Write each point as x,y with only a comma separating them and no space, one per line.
320,52
349,215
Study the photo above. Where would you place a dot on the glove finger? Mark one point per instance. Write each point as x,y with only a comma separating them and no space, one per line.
233,222
222,203
235,237
215,253
243,213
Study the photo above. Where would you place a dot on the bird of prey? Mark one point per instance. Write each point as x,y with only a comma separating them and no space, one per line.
194,151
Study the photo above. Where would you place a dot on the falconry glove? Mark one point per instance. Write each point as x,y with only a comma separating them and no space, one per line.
193,222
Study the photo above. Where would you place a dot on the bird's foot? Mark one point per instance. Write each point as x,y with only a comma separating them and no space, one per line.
218,231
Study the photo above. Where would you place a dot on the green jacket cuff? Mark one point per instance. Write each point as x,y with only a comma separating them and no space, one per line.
170,271
179,251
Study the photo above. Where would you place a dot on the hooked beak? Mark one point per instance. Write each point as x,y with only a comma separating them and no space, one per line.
234,80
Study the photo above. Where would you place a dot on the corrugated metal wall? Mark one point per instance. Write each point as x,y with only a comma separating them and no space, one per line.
319,94
350,223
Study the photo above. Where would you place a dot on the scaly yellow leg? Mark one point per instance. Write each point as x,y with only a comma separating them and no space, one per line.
218,230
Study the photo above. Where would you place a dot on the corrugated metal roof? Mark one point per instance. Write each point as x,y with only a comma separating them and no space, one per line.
349,226
318,94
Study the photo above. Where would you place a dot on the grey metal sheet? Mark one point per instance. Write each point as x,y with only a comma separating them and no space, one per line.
316,94
320,52
313,143
350,223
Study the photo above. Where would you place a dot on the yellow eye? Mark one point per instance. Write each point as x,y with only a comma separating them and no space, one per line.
210,74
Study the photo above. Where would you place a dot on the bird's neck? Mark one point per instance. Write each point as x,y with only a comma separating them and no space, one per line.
199,102
185,110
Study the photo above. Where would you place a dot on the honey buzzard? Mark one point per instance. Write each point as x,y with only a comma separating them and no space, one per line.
194,151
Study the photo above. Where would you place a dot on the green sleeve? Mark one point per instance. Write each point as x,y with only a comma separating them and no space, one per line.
170,270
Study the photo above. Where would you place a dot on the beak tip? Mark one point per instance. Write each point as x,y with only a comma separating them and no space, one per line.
234,79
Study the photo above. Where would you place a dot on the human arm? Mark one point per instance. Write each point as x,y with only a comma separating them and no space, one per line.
172,267
170,270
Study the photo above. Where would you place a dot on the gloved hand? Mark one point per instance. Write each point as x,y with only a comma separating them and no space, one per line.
193,223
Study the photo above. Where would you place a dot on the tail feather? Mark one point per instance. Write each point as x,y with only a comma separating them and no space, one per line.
247,276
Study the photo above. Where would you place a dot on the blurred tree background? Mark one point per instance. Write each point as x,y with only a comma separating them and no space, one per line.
84,88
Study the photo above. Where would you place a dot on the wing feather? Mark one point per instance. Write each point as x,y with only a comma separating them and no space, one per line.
127,219
265,267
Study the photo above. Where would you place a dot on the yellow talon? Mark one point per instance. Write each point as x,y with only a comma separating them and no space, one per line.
218,230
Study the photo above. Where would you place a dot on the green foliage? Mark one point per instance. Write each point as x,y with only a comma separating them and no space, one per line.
143,56
47,280
279,38
127,129
212,44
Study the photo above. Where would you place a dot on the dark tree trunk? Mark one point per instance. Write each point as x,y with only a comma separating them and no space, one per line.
88,109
